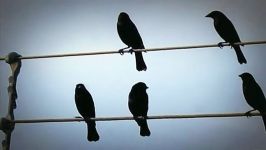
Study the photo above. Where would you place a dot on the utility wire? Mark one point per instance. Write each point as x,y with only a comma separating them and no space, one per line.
145,50
131,118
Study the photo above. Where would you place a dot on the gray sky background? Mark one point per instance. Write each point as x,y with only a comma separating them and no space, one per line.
180,82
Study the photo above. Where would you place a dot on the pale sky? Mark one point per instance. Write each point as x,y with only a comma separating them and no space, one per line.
180,82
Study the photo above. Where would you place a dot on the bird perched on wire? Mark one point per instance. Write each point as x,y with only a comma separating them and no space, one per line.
129,34
138,106
254,95
227,31
85,106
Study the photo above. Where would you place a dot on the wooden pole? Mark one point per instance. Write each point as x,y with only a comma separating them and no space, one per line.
7,125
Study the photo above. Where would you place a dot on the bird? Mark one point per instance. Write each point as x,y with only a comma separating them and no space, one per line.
130,36
138,106
254,95
85,106
227,31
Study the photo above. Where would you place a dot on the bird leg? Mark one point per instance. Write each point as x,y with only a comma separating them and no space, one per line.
78,117
233,44
121,51
131,51
139,117
221,44
248,114
87,119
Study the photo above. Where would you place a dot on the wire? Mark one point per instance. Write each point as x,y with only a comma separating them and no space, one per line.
131,118
145,50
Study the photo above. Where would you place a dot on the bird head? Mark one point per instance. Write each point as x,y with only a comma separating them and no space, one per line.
246,76
140,86
123,17
215,14
80,87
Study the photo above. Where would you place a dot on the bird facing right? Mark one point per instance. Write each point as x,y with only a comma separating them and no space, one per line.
227,31
254,95
138,106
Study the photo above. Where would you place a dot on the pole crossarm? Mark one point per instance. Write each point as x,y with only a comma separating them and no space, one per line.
142,50
221,115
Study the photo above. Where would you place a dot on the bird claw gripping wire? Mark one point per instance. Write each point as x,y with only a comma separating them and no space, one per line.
121,51
140,117
6,125
78,117
131,51
221,44
248,114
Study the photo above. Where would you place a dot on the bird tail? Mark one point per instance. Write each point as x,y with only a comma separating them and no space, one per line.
92,132
264,120
263,113
140,64
240,56
144,129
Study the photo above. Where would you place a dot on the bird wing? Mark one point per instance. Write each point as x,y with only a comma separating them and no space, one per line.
129,34
227,31
85,105
255,97
138,104
136,38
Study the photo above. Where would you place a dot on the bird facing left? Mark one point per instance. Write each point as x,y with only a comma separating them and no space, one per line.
227,31
129,35
254,95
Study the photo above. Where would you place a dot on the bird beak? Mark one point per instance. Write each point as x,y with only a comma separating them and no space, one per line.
240,75
147,87
208,15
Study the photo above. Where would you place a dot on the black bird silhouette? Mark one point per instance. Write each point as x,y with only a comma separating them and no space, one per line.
254,95
227,31
85,106
138,106
129,34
